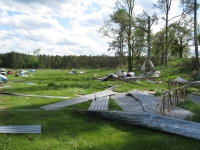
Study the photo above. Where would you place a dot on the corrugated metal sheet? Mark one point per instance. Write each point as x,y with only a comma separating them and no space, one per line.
180,113
99,104
20,129
131,104
77,100
194,98
128,103
26,95
148,101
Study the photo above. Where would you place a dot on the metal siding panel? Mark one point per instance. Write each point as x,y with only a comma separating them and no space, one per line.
128,103
148,101
171,125
99,104
77,100
20,129
195,98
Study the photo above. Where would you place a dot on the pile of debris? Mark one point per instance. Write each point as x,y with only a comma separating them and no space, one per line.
148,71
23,73
3,75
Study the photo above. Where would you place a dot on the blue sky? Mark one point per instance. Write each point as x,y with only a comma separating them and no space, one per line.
60,27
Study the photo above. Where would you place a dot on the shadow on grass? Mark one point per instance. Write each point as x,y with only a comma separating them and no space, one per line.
75,130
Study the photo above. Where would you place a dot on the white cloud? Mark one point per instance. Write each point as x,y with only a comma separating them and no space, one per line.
62,27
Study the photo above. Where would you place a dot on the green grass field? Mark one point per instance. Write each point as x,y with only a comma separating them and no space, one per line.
66,129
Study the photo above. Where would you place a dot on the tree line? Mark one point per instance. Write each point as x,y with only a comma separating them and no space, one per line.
132,39
19,60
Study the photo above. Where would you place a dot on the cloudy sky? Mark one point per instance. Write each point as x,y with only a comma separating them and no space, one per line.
59,27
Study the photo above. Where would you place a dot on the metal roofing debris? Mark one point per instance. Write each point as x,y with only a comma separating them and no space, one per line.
194,98
26,95
3,78
131,104
179,79
99,104
21,110
77,100
157,122
148,101
128,103
179,113
20,129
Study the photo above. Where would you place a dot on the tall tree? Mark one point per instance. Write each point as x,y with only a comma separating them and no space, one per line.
144,22
121,18
158,46
190,7
183,36
124,16
165,6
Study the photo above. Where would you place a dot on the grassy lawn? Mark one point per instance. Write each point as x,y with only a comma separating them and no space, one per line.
66,129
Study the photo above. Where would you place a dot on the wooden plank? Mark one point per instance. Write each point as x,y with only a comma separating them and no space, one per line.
20,129
177,112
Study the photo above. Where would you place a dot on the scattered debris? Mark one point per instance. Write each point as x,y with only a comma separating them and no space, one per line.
81,72
3,78
3,75
195,98
180,82
141,109
72,72
149,70
40,96
3,72
150,81
198,76
77,100
99,104
113,76
147,73
148,101
30,83
10,72
157,122
122,74
128,102
179,79
131,102
23,72
20,129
